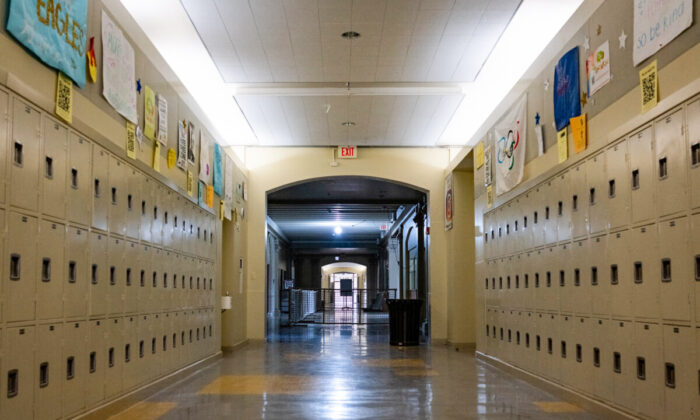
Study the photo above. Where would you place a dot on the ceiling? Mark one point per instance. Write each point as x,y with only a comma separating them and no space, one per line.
296,79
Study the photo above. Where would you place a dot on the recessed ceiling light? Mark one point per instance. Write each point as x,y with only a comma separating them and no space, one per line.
348,123
350,35
338,230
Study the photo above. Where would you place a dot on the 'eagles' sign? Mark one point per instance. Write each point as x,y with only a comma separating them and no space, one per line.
56,31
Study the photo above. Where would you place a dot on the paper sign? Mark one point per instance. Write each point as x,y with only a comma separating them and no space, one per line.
205,169
228,186
656,23
190,183
489,196
511,138
156,156
649,86
479,155
579,132
92,61
191,142
172,158
218,173
488,180
210,196
201,193
562,145
130,140
540,140
181,144
118,77
598,68
567,98
64,97
149,113
162,120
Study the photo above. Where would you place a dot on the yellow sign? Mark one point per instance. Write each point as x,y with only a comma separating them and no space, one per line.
489,196
563,145
649,86
210,196
579,131
190,183
172,158
149,114
156,156
221,209
130,140
64,97
479,155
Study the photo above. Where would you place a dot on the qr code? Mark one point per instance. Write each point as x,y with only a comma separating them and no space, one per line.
649,88
64,97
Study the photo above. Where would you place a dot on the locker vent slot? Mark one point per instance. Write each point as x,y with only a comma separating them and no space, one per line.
614,274
165,343
574,203
142,280
12,383
129,202
155,279
46,270
537,343
112,276
44,375
534,217
591,196
165,218
155,213
617,362
487,330
563,349
527,281
670,375
509,335
153,345
114,196
515,225
143,208
190,336
18,157
549,279
524,221
70,368
48,170
560,208
128,277
175,281
663,168
594,276
182,336
140,349
15,268
596,357
97,187
641,368
695,154
562,280
697,268
487,284
72,274
638,272
174,340
507,282
165,280
110,357
611,188
537,280
517,282
666,270
635,179
577,277
94,274
74,178
546,213
198,335
127,353
579,353
500,282
175,222
527,338
93,362
549,346
182,280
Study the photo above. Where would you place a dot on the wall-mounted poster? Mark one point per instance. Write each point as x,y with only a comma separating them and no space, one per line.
567,95
191,142
228,187
57,35
162,120
449,200
118,70
488,164
598,68
181,144
205,169
218,175
149,113
510,134
656,23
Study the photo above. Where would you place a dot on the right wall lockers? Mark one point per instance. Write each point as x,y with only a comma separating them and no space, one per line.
591,278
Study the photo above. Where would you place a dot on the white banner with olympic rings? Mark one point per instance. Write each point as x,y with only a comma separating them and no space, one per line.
510,147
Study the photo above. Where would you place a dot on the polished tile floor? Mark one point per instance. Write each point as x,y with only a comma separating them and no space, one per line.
350,372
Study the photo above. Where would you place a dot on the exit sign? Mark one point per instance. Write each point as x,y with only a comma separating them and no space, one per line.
347,152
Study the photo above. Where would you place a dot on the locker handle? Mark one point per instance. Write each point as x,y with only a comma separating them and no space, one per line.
596,357
12,383
143,278
48,171
635,179
112,276
614,274
611,188
74,178
617,362
15,267
18,157
70,368
97,187
670,375
72,272
110,357
666,270
46,270
44,375
93,362
579,353
641,369
577,277
127,353
663,168
594,276
591,196
94,274
128,276
695,154
697,267
114,196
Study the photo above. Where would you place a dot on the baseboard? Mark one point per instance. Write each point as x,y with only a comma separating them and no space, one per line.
125,401
229,349
465,347
592,405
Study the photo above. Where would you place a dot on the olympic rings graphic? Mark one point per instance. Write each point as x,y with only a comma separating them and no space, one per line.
507,145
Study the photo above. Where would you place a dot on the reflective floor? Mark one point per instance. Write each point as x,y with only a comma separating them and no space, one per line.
350,372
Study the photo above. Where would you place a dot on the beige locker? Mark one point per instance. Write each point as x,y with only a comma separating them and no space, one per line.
695,263
524,231
673,268
564,278
562,208
578,201
538,274
47,379
133,203
548,191
24,155
580,277
112,348
101,195
118,195
158,278
176,232
75,366
581,348
96,362
550,288
116,253
158,214
646,282
619,272
147,204
680,377
648,370
670,165
21,268
4,114
18,373
131,274
618,191
537,198
508,234
642,175
599,358
145,261
566,349
77,274
80,184
527,292
143,354
551,346
2,260
52,271
129,353
176,299
624,363
168,214
693,123
599,275
596,195
98,274
54,168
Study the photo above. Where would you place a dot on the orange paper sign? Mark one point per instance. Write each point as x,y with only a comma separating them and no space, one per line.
579,131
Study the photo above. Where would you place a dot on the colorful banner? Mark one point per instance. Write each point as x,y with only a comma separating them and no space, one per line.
55,31
510,134
218,174
118,75
598,68
656,23
567,95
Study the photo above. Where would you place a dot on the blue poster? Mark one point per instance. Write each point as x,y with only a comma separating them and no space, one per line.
218,171
566,89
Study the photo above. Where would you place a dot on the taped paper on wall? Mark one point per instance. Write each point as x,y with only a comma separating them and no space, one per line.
579,132
172,158
218,172
156,156
540,140
228,187
649,86
190,183
562,145
149,113
181,144
598,68
162,120
656,23
479,155
191,143
118,77
204,158
130,140
64,97
210,196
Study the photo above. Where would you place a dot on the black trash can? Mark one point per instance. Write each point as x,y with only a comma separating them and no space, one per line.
404,321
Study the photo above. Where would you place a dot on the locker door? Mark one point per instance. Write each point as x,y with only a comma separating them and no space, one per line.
101,194
548,191
20,268
144,278
550,285
52,271
113,348
47,378
599,276
167,209
619,273
539,275
642,175
646,284
158,213
671,193
624,364
600,361
143,349
508,237
4,114
581,346
680,379
133,203
96,363
131,274
176,232
18,373
525,230
526,275
176,300
79,180
618,191
564,279
98,274
674,270
693,118
157,289
74,365
24,167
578,201
553,358
695,263
562,209
167,280
649,370
77,274
129,352
2,260
54,172
118,196
597,191
580,271
116,276
146,207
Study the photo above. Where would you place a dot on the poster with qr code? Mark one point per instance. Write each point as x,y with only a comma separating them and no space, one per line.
64,97
649,86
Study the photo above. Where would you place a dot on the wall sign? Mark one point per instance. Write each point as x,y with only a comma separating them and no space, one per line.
347,152
566,89
656,23
118,75
510,135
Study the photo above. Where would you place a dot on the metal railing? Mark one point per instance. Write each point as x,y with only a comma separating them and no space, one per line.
333,306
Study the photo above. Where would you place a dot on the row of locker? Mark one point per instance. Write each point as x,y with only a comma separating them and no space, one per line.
653,173
650,369
59,173
55,271
649,272
54,371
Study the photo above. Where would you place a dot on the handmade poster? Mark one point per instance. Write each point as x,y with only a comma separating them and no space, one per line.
210,196
190,183
64,97
218,174
118,70
205,168
130,140
149,113
598,68
92,61
156,156
191,143
162,120
510,134
479,155
579,132
57,35
540,140
181,144
488,171
201,193
566,89
562,145
649,86
448,202
489,196
656,23
228,187
172,158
